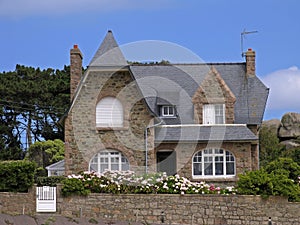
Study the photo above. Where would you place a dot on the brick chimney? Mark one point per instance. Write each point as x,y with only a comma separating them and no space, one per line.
250,63
75,69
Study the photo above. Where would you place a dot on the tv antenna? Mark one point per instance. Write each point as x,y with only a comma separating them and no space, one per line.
243,35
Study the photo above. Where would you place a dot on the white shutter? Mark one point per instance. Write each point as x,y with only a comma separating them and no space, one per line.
109,113
208,114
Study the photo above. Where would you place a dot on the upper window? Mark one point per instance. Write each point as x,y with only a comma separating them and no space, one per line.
214,114
109,113
168,111
108,160
213,163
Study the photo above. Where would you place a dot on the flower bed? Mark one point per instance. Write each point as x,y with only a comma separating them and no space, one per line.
127,182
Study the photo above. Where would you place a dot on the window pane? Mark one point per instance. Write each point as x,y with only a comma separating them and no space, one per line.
197,168
208,169
124,160
219,170
197,158
219,120
229,157
219,114
125,166
165,110
103,167
93,167
114,166
230,168
219,151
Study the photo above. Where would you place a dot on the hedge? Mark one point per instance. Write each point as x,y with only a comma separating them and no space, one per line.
16,176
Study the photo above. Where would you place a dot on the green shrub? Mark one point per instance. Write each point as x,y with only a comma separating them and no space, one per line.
255,183
49,181
284,166
16,176
260,182
74,186
284,186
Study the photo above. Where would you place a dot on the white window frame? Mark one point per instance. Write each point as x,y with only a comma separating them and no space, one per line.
109,113
214,114
108,160
168,111
213,163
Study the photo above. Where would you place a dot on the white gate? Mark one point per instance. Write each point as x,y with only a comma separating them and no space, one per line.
46,199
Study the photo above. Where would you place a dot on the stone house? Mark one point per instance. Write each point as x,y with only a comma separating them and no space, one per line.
198,120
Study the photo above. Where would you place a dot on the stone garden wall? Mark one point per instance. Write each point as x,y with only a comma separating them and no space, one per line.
164,209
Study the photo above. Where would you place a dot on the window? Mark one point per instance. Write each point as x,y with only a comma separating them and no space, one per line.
168,110
213,163
214,114
109,113
108,160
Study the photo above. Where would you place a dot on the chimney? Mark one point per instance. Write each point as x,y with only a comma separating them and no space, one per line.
75,69
250,63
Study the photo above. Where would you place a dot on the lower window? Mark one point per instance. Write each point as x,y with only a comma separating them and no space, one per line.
213,163
108,160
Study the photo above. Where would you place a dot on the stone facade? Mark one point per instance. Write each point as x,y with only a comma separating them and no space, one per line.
213,90
84,139
243,152
171,209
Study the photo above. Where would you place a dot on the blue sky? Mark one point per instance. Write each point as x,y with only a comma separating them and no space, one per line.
41,33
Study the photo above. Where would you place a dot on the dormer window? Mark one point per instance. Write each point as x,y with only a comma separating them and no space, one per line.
168,111
214,114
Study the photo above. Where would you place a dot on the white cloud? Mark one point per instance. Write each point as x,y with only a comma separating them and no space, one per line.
21,8
284,89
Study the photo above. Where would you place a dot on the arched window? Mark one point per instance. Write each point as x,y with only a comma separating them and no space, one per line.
213,163
108,160
109,113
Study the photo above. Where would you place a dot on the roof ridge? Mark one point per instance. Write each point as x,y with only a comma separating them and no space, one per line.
192,64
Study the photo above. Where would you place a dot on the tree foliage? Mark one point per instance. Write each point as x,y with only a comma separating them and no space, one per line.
45,153
31,103
269,145
293,153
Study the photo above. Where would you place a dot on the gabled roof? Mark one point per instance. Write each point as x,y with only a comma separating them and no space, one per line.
60,165
162,81
109,53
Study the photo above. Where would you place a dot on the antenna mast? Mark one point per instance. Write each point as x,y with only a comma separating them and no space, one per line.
243,35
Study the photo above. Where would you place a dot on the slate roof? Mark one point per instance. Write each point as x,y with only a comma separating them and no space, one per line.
182,81
109,53
204,133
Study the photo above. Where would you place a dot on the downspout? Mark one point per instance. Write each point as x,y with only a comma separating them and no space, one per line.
146,144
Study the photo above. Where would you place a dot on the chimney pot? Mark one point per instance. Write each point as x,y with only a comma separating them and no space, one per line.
76,46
